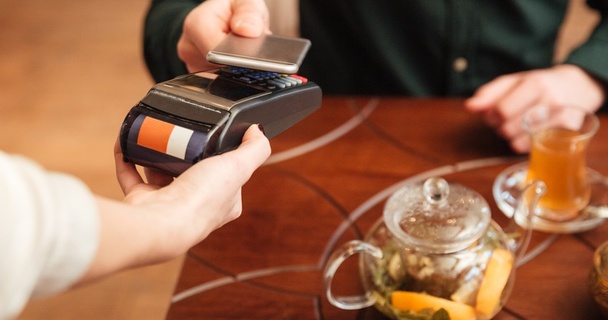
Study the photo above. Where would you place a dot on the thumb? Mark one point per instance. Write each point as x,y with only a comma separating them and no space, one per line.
231,169
255,146
249,18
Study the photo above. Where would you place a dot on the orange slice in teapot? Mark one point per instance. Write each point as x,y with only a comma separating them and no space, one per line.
415,301
496,276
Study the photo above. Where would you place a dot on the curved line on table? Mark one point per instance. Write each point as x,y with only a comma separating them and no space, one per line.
343,212
448,169
399,143
333,135
244,276
202,288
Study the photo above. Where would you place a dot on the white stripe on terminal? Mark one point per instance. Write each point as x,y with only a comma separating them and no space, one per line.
178,142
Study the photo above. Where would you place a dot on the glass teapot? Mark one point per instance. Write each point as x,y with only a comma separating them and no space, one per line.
437,254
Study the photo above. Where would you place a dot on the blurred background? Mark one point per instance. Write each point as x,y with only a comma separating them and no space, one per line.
69,72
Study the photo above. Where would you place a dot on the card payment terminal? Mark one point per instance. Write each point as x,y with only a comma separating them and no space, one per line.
191,117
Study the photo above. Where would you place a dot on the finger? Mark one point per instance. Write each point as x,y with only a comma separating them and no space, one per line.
511,128
523,95
521,143
191,56
204,27
157,178
488,95
512,108
234,167
229,170
253,151
250,18
126,173
492,118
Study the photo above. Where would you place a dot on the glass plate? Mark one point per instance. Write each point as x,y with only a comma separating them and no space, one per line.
507,187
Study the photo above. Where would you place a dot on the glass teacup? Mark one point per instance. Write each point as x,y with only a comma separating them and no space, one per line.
559,140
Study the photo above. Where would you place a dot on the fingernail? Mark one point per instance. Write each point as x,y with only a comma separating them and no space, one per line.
261,127
247,25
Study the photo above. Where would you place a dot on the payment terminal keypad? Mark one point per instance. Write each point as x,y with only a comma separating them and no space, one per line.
266,79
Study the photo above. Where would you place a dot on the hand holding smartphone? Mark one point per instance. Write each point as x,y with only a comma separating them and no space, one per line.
267,52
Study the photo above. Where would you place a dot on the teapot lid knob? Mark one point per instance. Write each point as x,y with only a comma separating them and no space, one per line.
436,190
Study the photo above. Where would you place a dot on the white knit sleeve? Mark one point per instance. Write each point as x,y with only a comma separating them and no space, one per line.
49,232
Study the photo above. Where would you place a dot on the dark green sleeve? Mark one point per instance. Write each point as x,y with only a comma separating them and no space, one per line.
162,29
592,55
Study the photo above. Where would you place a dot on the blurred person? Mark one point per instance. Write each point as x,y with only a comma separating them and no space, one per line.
55,234
498,54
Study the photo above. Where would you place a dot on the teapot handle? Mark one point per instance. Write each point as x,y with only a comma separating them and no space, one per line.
337,258
524,209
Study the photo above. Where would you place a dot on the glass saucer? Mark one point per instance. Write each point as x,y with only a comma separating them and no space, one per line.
507,188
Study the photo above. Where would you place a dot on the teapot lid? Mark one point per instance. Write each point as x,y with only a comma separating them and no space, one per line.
436,216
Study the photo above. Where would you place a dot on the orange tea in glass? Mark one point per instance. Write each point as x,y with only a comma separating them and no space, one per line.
559,139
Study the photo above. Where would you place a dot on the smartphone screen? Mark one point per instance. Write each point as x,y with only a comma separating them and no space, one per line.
268,52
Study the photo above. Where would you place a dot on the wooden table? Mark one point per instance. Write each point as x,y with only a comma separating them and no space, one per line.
341,163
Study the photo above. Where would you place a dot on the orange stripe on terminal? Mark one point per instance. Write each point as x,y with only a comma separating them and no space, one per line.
154,134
